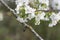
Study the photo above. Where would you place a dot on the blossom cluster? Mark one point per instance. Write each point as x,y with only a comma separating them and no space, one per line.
27,10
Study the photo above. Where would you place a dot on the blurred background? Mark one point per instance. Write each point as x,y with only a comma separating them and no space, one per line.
11,29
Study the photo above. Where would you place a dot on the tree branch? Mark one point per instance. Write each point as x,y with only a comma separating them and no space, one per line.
50,10
14,13
33,31
12,10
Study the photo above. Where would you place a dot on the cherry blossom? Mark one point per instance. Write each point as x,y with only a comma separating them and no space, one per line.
43,5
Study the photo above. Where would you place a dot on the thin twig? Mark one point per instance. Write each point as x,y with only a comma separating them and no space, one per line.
33,31
14,13
50,10
12,10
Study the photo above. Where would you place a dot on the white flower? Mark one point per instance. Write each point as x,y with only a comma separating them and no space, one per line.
19,3
44,2
17,9
39,17
42,15
21,20
22,1
55,18
46,19
28,9
37,23
30,16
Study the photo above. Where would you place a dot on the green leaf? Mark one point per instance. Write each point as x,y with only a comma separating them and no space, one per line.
22,12
48,14
43,5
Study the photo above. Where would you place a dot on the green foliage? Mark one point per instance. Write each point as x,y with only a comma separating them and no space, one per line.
43,5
